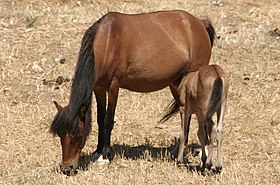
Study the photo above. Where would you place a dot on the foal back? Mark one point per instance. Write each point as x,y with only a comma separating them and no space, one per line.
206,90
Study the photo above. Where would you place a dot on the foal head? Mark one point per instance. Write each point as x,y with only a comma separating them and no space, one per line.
72,137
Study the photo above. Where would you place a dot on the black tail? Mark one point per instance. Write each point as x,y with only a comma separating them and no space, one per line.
215,98
171,110
211,31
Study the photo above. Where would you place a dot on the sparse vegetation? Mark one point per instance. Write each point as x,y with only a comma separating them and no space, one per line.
39,43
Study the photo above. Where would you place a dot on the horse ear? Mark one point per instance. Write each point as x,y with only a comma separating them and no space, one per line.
58,107
81,128
83,112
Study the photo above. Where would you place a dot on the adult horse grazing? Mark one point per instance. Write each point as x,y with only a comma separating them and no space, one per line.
203,92
142,53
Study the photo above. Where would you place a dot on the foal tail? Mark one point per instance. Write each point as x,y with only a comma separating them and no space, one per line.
210,30
171,110
215,98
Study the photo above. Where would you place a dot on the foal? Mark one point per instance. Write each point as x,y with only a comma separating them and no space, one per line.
203,93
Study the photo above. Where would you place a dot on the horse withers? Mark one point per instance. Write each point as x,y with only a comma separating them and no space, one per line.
203,93
141,52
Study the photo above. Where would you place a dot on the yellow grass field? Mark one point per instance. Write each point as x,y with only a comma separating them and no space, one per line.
39,44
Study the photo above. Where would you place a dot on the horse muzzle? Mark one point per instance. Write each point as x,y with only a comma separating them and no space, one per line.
69,170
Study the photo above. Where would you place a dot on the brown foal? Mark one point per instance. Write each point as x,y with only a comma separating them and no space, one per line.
203,93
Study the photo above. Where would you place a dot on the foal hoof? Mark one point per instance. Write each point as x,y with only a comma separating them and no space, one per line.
208,166
219,169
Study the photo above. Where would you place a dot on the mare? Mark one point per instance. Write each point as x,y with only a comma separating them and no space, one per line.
139,52
204,93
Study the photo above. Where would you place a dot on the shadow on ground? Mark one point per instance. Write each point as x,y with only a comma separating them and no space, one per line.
147,150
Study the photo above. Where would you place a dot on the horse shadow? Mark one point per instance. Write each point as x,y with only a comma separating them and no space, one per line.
148,151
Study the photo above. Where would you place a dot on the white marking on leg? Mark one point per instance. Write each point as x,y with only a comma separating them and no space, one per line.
102,161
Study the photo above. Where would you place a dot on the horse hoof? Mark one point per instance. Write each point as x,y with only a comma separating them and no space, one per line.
102,161
95,156
108,153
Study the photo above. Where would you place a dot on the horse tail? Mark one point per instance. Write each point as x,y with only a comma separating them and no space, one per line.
83,81
171,110
215,97
210,30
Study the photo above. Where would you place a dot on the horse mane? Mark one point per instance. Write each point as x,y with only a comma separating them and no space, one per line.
66,120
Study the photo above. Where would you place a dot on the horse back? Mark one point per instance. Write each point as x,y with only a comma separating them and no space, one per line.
144,49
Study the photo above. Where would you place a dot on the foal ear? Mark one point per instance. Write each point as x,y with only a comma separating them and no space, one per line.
58,107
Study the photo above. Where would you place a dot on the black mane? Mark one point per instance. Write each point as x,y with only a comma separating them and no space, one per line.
66,120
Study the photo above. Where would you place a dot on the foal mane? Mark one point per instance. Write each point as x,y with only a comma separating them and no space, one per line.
67,119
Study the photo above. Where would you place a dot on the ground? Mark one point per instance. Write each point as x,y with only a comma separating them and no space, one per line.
39,44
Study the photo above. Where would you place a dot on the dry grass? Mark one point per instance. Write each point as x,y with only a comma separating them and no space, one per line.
36,37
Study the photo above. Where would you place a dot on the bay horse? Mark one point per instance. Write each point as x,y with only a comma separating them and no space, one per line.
139,52
204,93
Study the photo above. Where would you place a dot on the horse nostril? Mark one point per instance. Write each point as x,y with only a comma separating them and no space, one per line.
69,171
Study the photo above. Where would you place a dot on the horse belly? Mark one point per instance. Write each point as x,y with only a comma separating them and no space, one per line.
153,75
139,85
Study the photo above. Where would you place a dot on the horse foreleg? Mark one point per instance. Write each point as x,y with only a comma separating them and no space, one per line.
113,92
100,96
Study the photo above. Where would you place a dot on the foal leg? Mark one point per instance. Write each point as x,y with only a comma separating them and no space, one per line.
100,96
113,92
211,134
185,120
202,138
220,135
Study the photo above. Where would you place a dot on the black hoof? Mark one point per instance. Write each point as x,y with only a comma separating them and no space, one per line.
108,153
69,171
208,166
219,169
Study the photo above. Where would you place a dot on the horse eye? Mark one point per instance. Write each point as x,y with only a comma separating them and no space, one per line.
70,135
